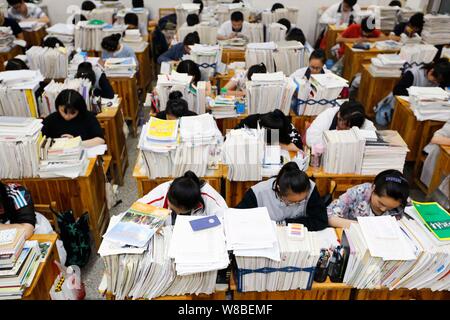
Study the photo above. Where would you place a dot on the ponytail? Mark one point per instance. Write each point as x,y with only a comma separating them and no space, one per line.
291,179
185,192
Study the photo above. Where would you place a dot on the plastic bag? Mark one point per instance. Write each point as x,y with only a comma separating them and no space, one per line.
68,284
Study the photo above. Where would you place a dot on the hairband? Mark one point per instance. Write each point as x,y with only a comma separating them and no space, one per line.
395,179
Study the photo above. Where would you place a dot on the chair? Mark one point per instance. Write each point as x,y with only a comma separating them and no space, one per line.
48,211
328,198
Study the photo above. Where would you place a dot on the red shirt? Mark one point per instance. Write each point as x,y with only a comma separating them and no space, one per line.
355,31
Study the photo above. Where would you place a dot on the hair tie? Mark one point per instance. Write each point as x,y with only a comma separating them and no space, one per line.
394,179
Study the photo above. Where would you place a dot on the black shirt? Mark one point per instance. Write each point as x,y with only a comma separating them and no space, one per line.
19,207
86,126
16,29
104,88
406,81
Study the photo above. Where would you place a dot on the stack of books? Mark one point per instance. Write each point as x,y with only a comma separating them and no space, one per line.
6,39
89,34
30,25
174,82
268,17
62,157
415,39
224,10
289,56
19,261
183,9
406,13
436,29
201,100
385,16
20,139
52,62
134,40
120,67
430,103
63,32
104,14
206,33
158,143
276,32
223,107
269,91
207,57
388,45
260,52
387,65
243,152
418,53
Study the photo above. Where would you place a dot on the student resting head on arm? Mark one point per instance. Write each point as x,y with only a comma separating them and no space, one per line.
72,119
296,34
290,196
177,51
112,48
191,68
412,27
233,28
16,64
350,114
21,11
186,195
15,28
17,208
236,85
192,19
316,65
52,42
176,108
98,79
435,74
388,195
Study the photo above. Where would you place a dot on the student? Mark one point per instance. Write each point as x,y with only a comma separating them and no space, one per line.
412,27
52,42
191,68
286,23
350,114
187,195
72,119
102,87
430,75
77,18
395,3
234,28
388,195
21,11
16,64
192,19
177,51
296,34
340,13
112,48
276,6
176,108
316,65
15,28
288,135
236,85
88,6
16,209
290,196
131,20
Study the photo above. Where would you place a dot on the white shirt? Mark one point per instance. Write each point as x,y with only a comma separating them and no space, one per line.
33,12
300,73
226,29
214,203
314,134
331,15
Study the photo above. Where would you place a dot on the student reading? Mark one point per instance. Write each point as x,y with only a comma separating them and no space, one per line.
16,208
288,136
186,195
191,68
21,11
102,87
15,28
72,119
316,65
290,196
388,195
177,51
234,28
112,48
236,85
176,107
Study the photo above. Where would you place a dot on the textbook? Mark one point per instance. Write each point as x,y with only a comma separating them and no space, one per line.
162,130
435,218
52,62
137,225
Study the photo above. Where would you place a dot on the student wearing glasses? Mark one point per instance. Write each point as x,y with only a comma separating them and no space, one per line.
349,115
290,197
316,66
186,195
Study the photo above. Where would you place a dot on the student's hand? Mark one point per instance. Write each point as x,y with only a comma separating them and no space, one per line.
232,35
67,136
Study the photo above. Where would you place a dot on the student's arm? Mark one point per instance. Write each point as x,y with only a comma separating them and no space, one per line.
249,201
316,213
95,131
20,36
24,217
93,142
41,16
340,208
169,55
337,222
249,122
106,89
44,19
406,81
438,139
342,39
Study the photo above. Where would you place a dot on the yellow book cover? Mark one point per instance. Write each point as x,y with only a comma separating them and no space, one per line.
159,129
31,102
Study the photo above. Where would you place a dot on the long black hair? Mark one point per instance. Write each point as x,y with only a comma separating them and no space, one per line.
290,179
85,71
185,192
72,101
276,120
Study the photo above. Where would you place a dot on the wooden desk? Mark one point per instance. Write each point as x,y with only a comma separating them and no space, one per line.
401,294
34,38
83,194
442,168
144,75
145,184
111,121
354,59
373,89
126,88
230,55
218,295
46,273
331,35
5,56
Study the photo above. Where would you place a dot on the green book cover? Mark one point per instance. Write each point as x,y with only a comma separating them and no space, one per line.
435,218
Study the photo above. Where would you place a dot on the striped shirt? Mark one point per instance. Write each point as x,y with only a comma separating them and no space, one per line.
21,206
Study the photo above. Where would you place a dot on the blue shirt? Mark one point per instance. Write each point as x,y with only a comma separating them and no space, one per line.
125,52
174,53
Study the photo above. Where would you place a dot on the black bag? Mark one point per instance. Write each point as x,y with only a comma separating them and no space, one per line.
75,237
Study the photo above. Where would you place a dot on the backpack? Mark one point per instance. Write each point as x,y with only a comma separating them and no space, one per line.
384,110
75,237
159,44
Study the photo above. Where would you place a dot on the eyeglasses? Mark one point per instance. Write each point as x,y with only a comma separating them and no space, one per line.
316,68
290,203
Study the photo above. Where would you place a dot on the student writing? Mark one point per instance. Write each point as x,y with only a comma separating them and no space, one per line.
234,28
21,11
177,51
236,85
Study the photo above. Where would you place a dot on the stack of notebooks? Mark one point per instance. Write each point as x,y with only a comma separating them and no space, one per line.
269,91
200,142
19,140
158,143
436,29
224,10
89,34
268,17
142,13
430,103
134,40
386,16
120,67
6,39
30,25
206,33
182,10
261,52
415,39
276,32
174,82
324,89
62,157
64,32
387,65
17,93
289,56
255,32
418,53
388,45
52,90
52,62
201,101
223,107
79,58
207,58
243,151
19,261
406,13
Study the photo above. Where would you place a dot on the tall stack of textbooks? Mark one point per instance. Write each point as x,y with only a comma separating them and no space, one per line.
62,157
89,34
436,29
223,107
385,16
268,17
134,40
386,65
206,33
20,139
17,93
120,67
52,62
406,13
6,39
63,32
158,143
289,56
19,261
243,152
430,103
182,10
261,52
418,53
207,57
224,11
269,91
276,32
174,82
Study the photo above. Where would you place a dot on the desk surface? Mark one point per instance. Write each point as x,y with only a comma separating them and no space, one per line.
349,46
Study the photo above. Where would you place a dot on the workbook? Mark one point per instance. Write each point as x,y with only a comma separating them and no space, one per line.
435,218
